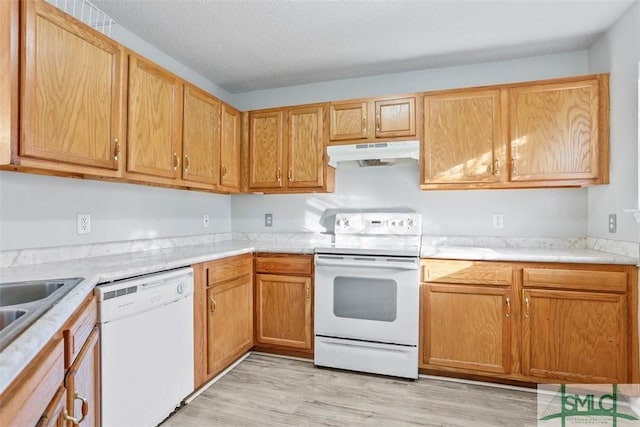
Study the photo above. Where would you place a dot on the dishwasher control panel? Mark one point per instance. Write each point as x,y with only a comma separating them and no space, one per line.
126,297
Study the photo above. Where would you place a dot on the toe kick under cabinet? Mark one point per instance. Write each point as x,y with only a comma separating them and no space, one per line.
530,322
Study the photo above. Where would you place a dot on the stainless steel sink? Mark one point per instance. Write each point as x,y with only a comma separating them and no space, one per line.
8,316
22,303
16,293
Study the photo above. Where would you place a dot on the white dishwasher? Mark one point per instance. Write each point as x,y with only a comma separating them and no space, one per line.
147,347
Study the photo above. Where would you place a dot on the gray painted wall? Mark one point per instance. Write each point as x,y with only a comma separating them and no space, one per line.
40,211
533,213
618,52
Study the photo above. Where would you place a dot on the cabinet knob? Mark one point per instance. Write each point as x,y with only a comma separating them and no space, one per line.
224,170
526,307
186,163
290,174
377,122
212,305
364,124
278,175
514,165
508,302
496,166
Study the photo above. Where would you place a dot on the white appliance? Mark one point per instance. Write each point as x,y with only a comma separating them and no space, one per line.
374,154
367,288
147,360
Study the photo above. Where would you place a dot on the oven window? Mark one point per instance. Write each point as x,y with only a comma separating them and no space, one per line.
365,298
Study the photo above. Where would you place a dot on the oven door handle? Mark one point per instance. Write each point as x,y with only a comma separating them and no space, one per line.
374,263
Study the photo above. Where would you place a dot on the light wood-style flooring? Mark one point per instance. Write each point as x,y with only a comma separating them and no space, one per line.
272,391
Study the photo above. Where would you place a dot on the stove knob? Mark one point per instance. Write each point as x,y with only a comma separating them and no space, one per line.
346,222
410,223
400,223
338,222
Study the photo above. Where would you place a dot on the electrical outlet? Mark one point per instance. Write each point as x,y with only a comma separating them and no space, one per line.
498,221
83,223
268,220
205,221
613,223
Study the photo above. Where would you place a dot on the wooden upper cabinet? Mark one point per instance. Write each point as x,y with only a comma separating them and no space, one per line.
154,120
575,336
71,91
395,117
200,137
463,137
9,77
265,149
372,119
230,149
305,143
554,131
348,121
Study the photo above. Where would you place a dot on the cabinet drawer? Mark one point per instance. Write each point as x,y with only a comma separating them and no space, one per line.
78,328
228,268
301,265
444,271
591,280
28,397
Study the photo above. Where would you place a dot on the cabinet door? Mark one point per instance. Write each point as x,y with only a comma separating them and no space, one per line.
554,131
395,117
283,311
574,336
467,327
305,147
83,383
154,120
54,415
348,120
230,322
463,137
265,141
200,137
230,149
71,90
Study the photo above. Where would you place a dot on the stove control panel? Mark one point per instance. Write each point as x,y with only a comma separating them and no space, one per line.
378,223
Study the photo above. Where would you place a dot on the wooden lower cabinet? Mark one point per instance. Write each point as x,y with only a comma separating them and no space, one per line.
229,322
223,314
574,336
283,316
54,415
48,394
568,323
284,303
467,327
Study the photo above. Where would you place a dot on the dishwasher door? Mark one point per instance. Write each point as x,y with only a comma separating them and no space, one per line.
147,354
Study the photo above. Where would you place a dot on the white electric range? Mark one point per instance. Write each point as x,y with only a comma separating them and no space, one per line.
367,294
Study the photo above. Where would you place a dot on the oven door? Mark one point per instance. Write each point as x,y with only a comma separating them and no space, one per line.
371,298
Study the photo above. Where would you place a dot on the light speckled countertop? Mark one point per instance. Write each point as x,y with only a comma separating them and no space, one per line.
109,267
568,255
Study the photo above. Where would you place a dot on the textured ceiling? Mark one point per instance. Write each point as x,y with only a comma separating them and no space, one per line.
245,45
